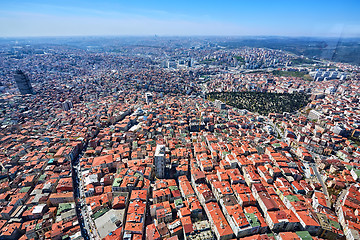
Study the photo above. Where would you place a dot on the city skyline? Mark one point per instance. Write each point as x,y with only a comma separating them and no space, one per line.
165,18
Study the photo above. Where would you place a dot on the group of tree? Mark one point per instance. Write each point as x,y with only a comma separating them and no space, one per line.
262,102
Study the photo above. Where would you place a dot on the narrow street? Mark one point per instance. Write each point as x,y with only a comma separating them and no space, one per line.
341,197
87,224
325,191
88,229
79,211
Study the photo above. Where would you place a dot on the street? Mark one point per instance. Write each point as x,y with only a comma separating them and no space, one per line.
86,223
314,167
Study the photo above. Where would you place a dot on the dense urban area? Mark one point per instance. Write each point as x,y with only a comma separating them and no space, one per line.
176,138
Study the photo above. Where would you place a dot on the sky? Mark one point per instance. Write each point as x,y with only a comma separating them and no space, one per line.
22,18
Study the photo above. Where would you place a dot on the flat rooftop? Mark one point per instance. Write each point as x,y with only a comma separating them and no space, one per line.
107,222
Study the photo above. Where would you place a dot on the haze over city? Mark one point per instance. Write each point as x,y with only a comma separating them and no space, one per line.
179,18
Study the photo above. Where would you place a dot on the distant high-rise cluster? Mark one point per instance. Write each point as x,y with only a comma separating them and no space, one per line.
23,83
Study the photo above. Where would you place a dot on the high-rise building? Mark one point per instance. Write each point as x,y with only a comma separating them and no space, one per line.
190,62
23,83
149,97
67,105
160,161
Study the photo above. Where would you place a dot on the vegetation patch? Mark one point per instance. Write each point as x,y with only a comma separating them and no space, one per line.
263,103
303,75
240,58
206,61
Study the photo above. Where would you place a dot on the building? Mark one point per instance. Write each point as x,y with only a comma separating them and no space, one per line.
314,115
190,62
160,161
219,104
57,198
67,105
149,97
23,83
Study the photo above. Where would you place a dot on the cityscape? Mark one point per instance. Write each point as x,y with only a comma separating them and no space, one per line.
181,137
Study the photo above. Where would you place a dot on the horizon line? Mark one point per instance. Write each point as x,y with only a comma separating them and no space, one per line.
179,36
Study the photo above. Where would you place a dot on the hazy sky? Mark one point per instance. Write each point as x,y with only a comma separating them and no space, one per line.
149,17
